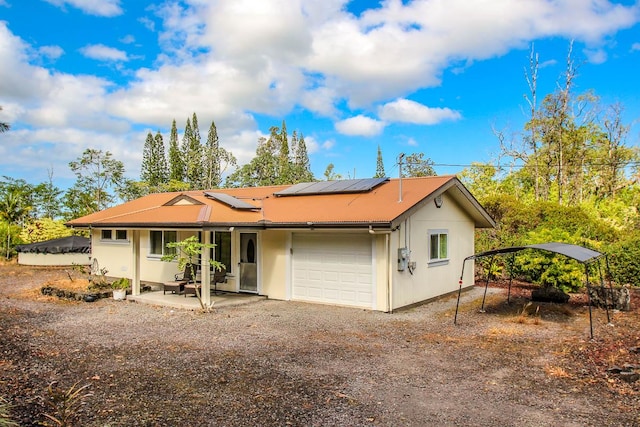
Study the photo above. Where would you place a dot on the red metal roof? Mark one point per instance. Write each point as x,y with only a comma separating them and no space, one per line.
381,207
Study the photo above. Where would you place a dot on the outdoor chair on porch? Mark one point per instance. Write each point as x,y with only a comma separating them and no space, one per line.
219,276
177,285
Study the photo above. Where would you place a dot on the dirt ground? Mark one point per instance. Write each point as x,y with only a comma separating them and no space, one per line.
277,363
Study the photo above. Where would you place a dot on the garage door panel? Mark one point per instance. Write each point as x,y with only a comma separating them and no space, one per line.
333,269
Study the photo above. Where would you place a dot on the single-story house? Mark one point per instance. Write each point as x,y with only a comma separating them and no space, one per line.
68,250
375,243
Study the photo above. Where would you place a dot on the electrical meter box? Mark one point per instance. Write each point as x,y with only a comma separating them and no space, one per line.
403,258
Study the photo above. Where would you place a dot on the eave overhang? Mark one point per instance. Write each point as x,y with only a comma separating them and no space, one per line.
376,225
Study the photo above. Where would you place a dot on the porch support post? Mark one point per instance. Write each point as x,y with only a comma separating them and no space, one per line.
205,269
135,262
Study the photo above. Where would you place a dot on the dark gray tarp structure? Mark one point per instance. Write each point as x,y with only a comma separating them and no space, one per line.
63,245
579,253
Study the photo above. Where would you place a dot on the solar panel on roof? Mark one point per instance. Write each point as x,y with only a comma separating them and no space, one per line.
366,184
332,187
229,200
338,186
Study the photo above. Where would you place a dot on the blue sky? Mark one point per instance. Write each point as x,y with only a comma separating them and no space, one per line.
428,76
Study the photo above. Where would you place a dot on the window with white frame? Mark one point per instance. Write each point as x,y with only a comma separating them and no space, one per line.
222,251
438,245
113,235
158,242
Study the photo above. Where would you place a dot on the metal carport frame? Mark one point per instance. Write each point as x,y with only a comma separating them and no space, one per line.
581,254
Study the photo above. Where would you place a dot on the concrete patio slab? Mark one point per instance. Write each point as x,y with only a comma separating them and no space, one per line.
190,302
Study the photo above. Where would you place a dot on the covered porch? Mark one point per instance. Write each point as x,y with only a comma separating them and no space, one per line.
190,302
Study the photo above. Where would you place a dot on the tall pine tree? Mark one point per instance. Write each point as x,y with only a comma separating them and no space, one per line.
379,165
216,160
146,169
284,162
211,161
176,162
154,171
160,158
302,165
192,152
274,162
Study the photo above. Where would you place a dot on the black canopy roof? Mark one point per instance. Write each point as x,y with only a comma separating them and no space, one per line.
579,253
63,245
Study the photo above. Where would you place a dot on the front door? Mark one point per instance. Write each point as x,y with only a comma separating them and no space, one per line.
249,262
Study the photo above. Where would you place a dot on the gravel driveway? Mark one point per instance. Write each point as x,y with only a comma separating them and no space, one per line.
276,363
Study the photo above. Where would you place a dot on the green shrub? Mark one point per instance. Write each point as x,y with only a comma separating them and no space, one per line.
546,268
121,283
550,270
624,260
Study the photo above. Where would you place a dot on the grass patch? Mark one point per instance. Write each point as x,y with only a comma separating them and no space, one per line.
504,331
556,371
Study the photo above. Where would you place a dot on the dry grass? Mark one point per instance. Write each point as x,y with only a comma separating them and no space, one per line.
504,331
556,371
528,315
35,293
475,305
69,285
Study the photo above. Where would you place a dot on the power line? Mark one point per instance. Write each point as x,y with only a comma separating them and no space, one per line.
521,166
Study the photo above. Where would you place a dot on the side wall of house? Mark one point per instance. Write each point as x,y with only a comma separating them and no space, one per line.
274,263
382,263
116,257
152,268
431,279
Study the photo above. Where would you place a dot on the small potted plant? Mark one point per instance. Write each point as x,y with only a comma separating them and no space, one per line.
119,287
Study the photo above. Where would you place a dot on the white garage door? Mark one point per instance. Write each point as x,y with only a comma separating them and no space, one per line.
335,269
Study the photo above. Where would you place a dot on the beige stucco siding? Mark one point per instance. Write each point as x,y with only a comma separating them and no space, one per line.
381,246
113,256
274,263
117,257
152,268
430,280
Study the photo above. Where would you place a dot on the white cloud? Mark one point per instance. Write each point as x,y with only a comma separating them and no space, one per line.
92,7
315,146
242,144
320,101
402,46
548,63
595,56
128,39
103,53
230,59
328,144
407,111
51,52
360,126
147,23
312,144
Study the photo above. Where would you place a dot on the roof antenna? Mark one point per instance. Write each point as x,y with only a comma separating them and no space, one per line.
400,157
